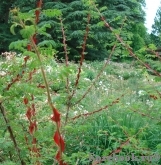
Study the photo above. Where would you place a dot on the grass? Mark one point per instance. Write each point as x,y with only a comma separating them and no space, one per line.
129,98
130,119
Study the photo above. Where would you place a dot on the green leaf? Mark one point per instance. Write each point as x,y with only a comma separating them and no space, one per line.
44,34
30,20
125,53
47,51
103,8
100,24
42,30
19,45
47,43
26,16
116,31
157,79
12,28
159,123
52,13
28,31
29,53
152,47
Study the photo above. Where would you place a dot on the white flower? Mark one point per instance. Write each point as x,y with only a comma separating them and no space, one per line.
100,83
104,73
75,112
141,93
2,73
121,78
49,69
23,117
150,103
80,107
85,111
87,79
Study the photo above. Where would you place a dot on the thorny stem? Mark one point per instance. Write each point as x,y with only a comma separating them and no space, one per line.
65,51
156,53
99,74
144,115
123,43
80,67
66,61
102,69
97,77
82,54
154,89
9,128
42,71
64,42
127,141
100,109
119,149
45,81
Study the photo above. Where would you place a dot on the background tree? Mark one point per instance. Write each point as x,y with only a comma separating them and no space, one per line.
125,16
131,13
5,36
156,28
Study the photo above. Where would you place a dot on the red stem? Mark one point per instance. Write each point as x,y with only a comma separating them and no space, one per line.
10,130
124,44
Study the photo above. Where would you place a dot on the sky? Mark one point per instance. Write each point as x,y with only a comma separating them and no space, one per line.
151,9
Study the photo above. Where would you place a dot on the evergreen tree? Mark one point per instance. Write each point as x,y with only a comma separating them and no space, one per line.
156,28
100,39
5,35
125,16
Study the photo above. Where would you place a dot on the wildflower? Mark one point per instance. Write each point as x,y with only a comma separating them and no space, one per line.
149,103
23,117
87,79
121,78
49,69
75,112
85,111
2,73
141,93
105,89
100,83
104,73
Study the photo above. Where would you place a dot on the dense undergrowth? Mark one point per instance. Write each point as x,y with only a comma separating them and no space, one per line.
56,112
134,117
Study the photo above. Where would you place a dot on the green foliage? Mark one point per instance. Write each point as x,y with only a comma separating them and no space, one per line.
116,110
52,13
5,36
156,30
19,45
74,16
100,133
156,26
27,32
154,65
139,34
